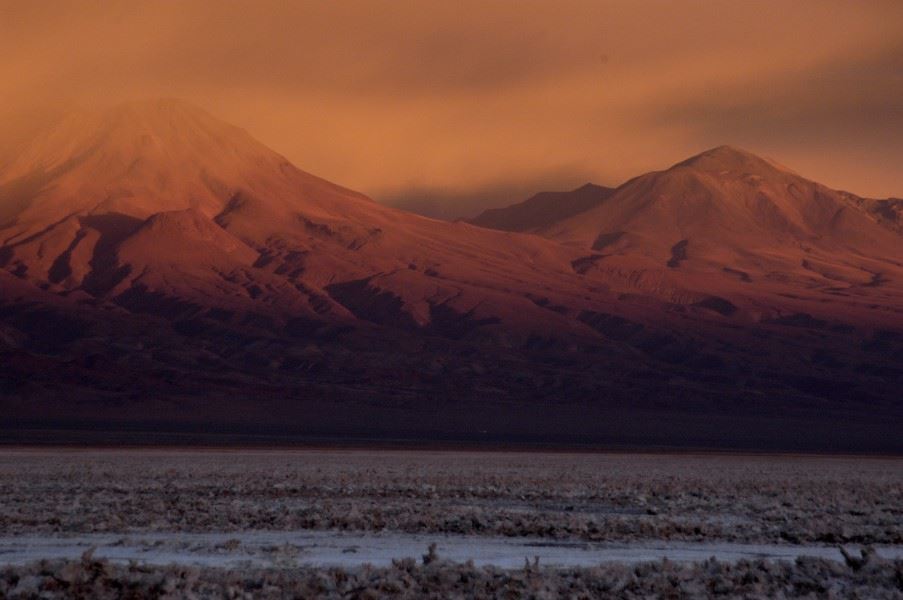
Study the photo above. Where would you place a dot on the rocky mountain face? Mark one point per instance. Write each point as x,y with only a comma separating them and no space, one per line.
161,269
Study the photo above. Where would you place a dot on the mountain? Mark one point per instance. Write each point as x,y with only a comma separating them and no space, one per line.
115,203
728,198
724,219
543,208
161,269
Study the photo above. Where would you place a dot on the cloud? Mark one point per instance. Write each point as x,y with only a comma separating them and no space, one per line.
467,202
839,122
454,100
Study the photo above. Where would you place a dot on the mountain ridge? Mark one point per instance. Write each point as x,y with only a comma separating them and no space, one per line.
726,211
165,254
539,209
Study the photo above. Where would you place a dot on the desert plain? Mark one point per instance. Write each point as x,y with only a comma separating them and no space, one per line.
429,523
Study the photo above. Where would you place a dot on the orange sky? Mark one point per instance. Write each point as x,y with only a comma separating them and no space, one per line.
451,106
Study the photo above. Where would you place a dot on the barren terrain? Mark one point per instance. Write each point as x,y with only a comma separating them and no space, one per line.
162,270
295,517
592,497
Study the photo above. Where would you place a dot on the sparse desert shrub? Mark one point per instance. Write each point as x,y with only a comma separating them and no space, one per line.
557,496
807,577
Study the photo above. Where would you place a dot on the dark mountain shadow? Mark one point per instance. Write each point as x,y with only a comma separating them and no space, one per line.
105,270
61,267
450,323
678,254
372,304
607,239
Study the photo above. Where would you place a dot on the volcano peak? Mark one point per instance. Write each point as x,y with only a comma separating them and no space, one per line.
731,158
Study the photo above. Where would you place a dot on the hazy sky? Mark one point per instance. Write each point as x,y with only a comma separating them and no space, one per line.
453,105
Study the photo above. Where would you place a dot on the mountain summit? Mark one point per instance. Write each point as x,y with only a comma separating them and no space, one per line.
727,159
144,157
731,198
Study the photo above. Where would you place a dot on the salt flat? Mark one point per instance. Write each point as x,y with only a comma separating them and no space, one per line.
352,550
801,500
329,522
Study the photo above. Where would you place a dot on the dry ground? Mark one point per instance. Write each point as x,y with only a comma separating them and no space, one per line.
599,497
605,497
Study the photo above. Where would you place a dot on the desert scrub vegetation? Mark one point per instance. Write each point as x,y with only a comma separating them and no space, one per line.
861,577
590,497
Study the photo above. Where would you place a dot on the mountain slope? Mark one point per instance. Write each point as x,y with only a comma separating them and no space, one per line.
160,266
543,208
75,199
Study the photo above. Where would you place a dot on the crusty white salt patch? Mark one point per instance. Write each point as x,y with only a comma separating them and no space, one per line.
342,549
